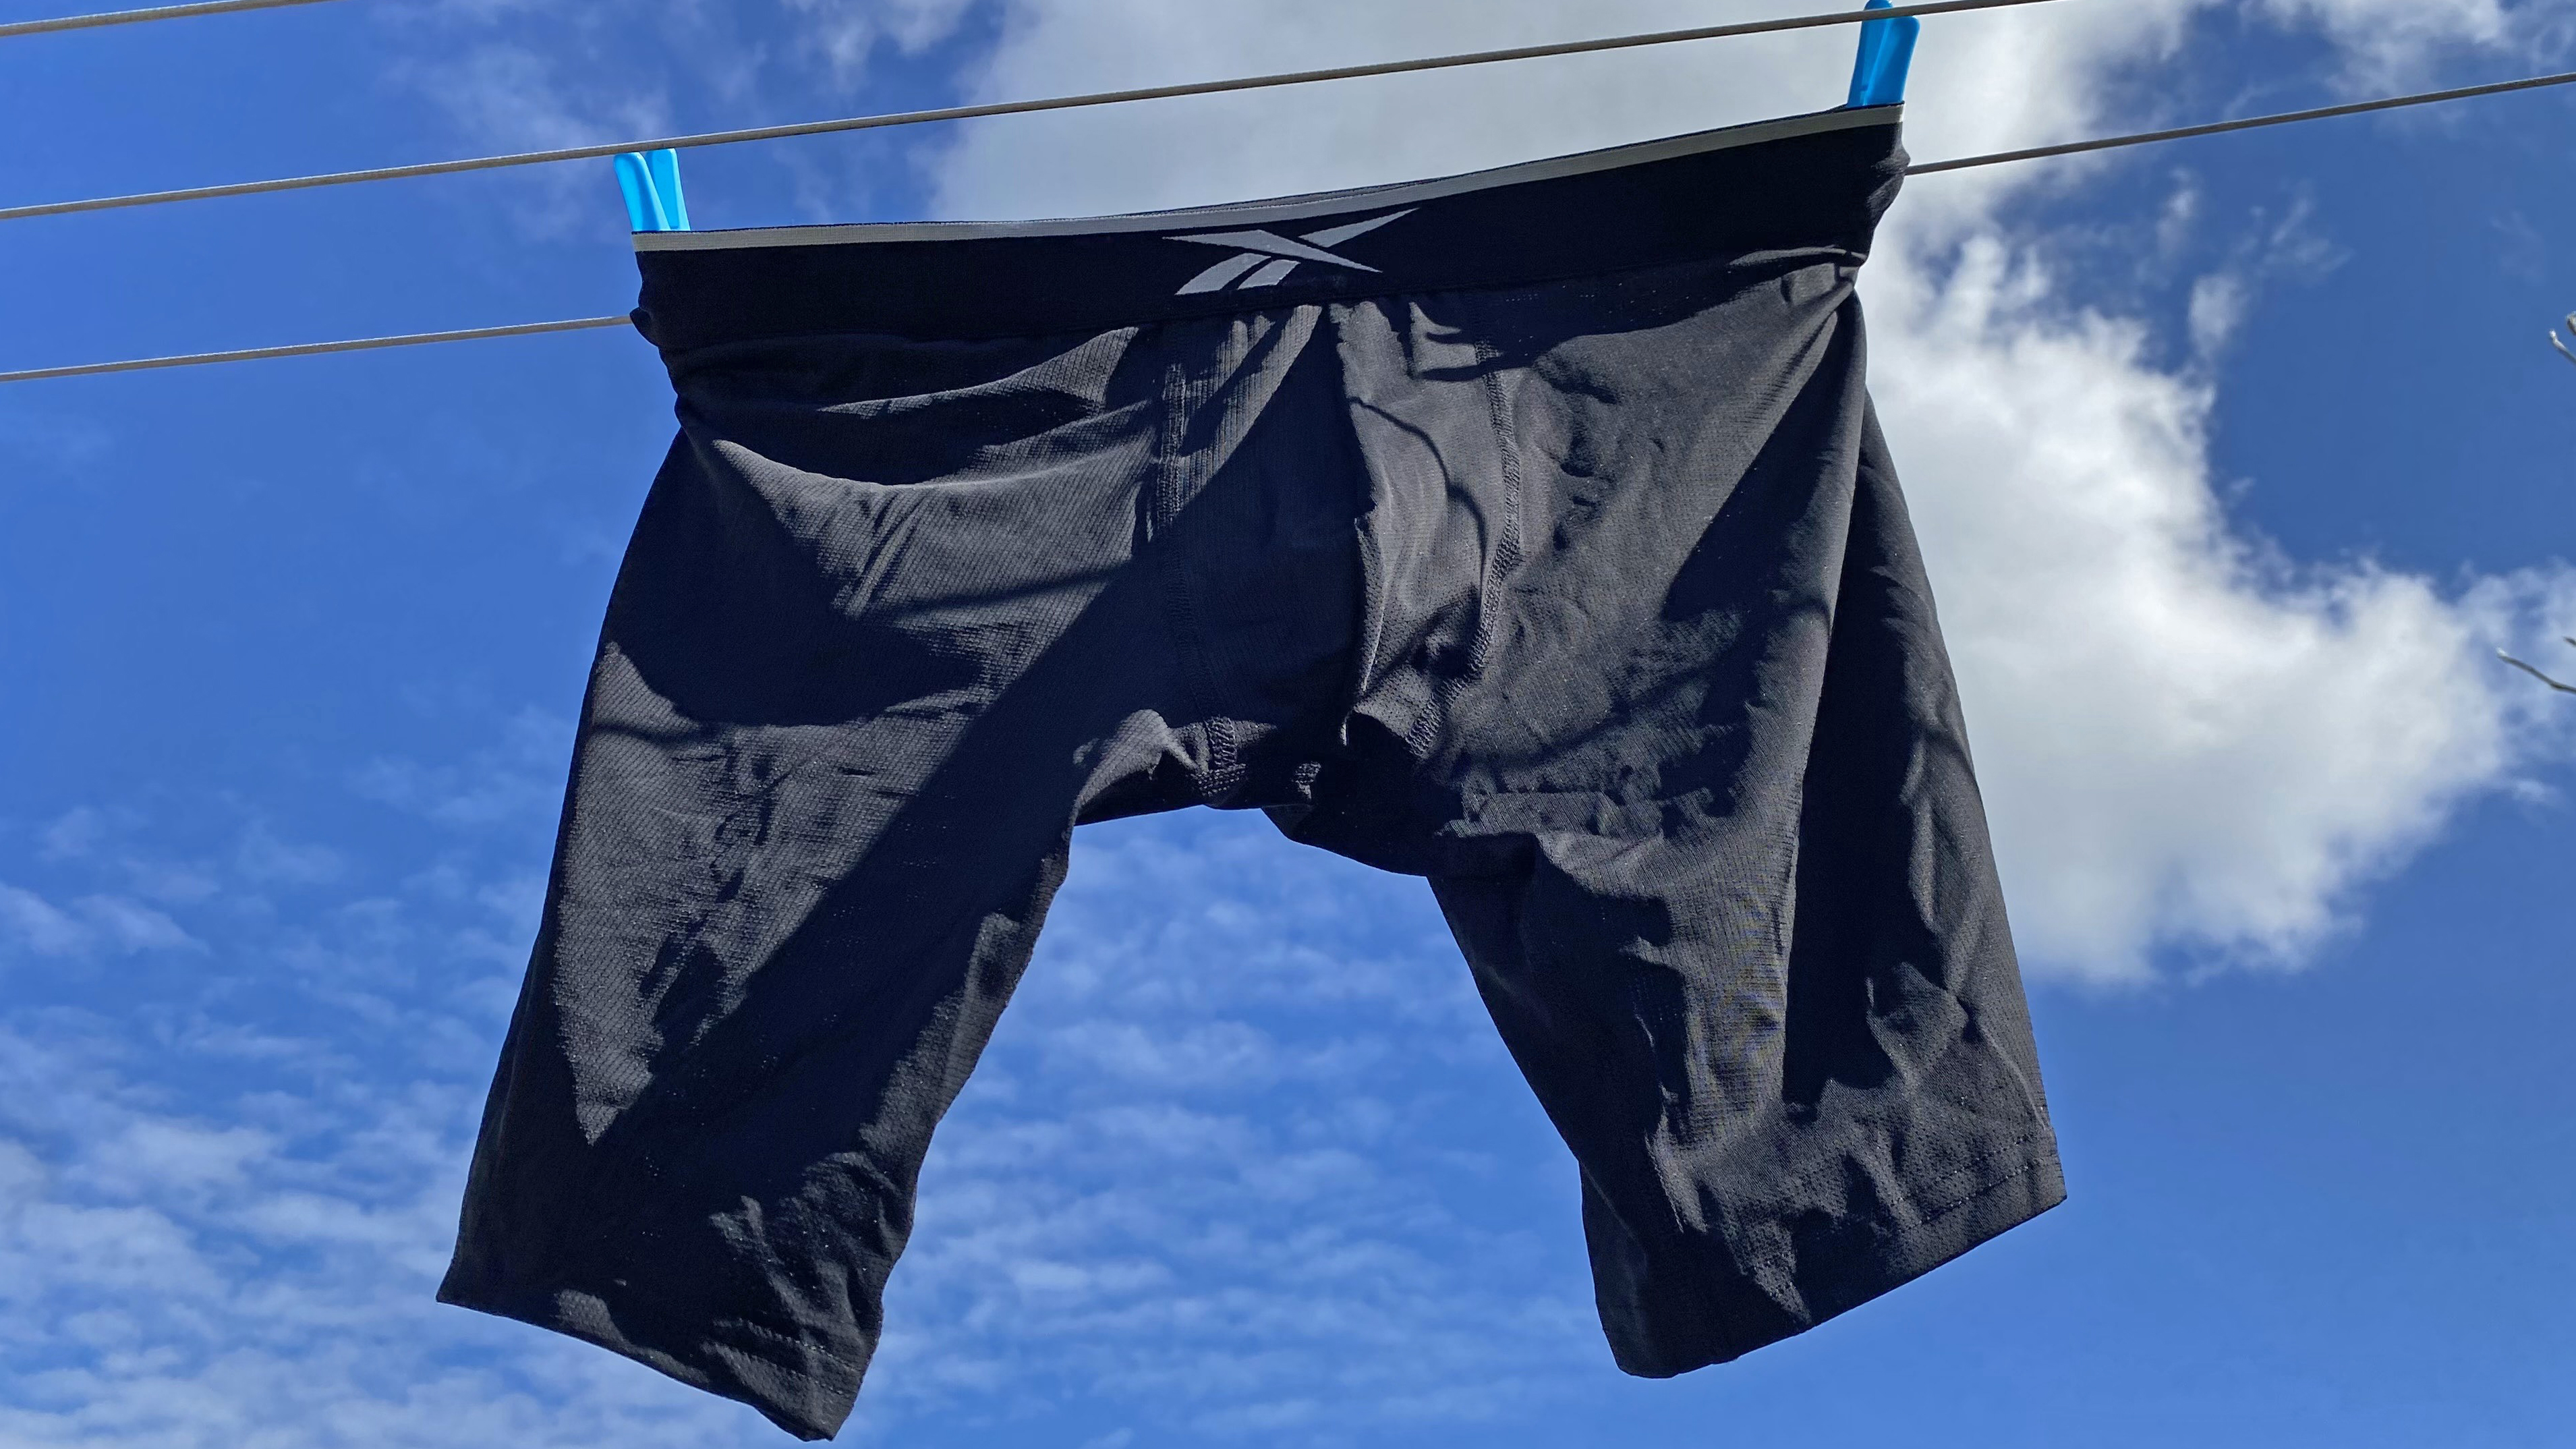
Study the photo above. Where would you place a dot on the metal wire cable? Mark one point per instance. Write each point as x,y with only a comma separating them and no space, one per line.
999,108
2220,128
1996,158
130,17
309,349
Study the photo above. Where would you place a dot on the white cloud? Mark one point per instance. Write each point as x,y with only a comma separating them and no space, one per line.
39,925
520,778
505,96
73,834
183,1270
94,923
2392,41
127,925
147,1153
263,857
848,34
2186,740
2182,739
509,95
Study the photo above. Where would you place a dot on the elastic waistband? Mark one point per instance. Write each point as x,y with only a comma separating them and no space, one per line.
1801,184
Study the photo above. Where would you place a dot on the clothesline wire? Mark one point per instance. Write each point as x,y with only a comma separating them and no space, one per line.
313,349
2249,123
1002,108
1996,158
17,28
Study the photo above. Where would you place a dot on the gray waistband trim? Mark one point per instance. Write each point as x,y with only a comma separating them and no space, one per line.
1283,209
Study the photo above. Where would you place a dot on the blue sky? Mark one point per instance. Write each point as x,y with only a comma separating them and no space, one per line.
2233,460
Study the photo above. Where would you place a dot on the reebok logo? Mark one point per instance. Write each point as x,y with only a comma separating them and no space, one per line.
1269,257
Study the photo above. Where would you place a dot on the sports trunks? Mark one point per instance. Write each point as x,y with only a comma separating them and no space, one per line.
1528,531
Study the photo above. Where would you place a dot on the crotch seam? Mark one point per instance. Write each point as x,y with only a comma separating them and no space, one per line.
1506,557
1182,395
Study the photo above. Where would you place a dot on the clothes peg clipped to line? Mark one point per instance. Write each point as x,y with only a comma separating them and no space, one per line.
1886,51
651,182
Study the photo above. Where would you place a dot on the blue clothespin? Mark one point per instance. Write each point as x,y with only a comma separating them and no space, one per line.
1886,51
651,181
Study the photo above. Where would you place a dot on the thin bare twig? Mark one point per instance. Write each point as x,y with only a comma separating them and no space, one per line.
2534,673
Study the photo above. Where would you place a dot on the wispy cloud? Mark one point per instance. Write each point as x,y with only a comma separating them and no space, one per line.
507,96
226,1195
88,925
2391,42
38,924
848,35
520,776
263,857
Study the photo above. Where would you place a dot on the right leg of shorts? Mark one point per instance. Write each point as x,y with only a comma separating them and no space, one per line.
895,616
1669,726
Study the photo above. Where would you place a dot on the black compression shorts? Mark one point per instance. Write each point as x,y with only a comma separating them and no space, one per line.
1528,531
